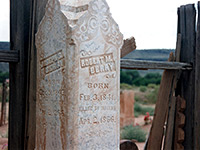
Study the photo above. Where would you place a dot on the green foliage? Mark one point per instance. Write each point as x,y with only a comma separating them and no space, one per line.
128,76
143,89
5,135
141,110
136,133
133,77
3,76
153,95
125,86
138,98
150,78
152,86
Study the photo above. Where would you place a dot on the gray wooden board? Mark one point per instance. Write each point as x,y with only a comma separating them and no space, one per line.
129,46
38,10
197,87
9,56
157,129
138,64
186,85
170,125
19,40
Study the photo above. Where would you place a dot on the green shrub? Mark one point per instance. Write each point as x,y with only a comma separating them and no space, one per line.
150,78
143,89
125,86
3,76
128,76
152,86
138,99
153,95
136,133
141,110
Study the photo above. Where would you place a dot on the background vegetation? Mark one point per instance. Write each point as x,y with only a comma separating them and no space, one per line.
3,76
136,133
145,87
134,78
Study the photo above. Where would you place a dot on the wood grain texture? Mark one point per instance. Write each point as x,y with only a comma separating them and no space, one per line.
9,56
169,136
179,133
128,46
170,125
178,48
165,98
3,104
144,65
197,87
186,85
157,129
19,40
38,10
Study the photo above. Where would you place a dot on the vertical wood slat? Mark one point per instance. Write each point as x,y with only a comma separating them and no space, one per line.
179,134
3,104
170,125
186,85
38,11
19,39
164,96
197,87
169,136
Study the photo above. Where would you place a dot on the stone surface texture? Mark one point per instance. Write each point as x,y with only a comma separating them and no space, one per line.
127,108
78,62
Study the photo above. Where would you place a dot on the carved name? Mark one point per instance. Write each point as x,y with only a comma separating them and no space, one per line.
99,64
52,63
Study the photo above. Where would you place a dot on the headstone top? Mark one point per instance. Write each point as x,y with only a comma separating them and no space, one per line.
98,18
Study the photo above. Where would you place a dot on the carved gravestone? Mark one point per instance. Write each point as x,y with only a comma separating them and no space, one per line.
78,62
127,108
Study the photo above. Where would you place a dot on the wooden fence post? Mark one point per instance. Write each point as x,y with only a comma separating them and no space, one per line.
3,104
20,11
186,85
197,87
38,11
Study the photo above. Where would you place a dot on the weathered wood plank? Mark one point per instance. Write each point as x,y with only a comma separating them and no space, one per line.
129,46
9,56
164,95
19,40
3,104
165,98
186,85
197,87
157,129
138,64
179,135
170,125
178,48
169,136
38,10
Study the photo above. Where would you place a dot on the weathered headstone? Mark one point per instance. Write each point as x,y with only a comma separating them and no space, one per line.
127,108
78,48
